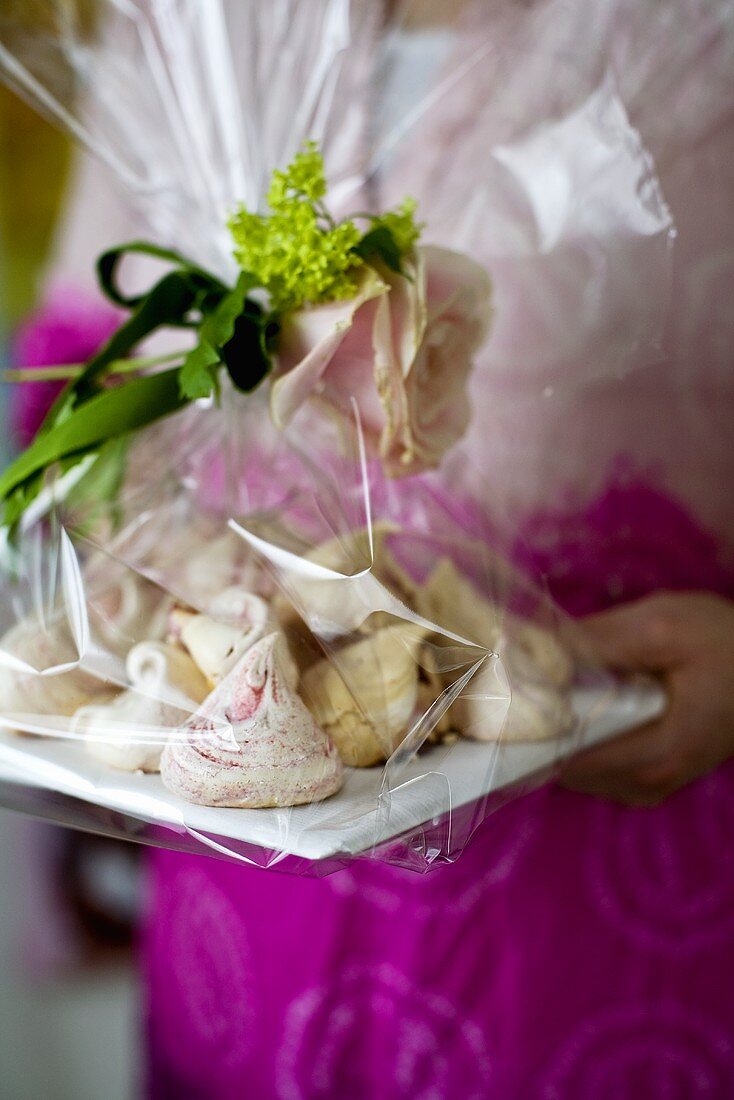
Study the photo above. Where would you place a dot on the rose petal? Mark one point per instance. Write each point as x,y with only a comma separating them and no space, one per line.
308,342
424,393
400,324
455,280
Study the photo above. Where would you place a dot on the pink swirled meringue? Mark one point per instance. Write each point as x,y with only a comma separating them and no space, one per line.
253,743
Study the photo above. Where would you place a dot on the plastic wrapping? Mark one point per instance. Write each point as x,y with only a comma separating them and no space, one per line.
326,659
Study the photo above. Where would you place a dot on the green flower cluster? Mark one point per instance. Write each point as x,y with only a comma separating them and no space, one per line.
402,225
298,254
304,177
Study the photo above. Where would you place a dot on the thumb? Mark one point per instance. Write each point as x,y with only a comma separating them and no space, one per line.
647,635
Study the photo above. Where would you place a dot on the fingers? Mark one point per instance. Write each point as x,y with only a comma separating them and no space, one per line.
648,635
617,757
644,767
622,793
640,768
688,639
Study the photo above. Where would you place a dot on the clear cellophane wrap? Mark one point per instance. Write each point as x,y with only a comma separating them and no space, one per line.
333,660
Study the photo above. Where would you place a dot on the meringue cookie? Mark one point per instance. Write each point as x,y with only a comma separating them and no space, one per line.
130,732
211,564
254,742
490,710
124,607
216,645
340,604
532,653
537,713
365,697
26,645
530,650
452,602
539,670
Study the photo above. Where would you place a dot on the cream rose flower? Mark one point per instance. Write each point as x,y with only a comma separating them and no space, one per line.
403,348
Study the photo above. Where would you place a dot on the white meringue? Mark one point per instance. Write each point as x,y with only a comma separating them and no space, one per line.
124,607
366,695
364,575
27,646
130,732
211,565
520,696
532,653
491,710
216,644
253,743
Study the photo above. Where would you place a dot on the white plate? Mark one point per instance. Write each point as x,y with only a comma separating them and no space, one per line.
362,815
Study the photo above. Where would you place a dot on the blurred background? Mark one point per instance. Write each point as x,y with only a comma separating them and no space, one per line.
69,1010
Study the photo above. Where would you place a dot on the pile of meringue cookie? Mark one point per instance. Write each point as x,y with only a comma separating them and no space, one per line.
240,707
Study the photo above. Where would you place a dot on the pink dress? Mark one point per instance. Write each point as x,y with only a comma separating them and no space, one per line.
577,950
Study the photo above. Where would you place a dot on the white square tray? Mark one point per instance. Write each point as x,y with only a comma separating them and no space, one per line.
352,821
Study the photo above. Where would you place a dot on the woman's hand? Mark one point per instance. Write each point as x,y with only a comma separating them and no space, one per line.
688,641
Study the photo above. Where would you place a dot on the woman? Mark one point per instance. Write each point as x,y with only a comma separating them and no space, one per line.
582,945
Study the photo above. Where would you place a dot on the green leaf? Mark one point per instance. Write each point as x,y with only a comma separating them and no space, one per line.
99,488
218,329
166,304
379,244
110,414
86,417
218,326
187,290
198,374
22,497
18,501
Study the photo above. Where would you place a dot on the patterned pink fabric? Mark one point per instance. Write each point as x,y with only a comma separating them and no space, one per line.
576,951
627,542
